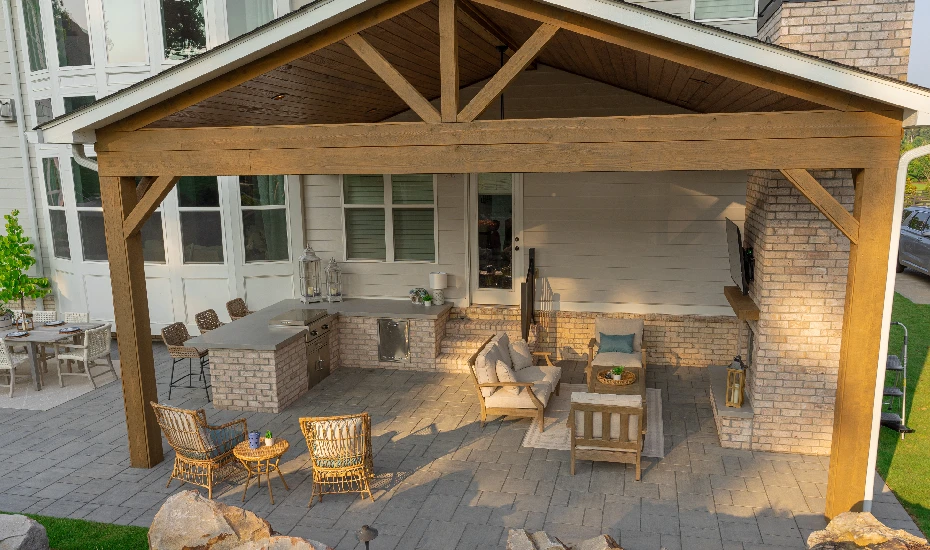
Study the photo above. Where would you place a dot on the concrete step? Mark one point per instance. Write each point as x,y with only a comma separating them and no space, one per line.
463,343
453,362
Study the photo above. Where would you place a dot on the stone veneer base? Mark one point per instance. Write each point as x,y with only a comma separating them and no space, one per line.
259,381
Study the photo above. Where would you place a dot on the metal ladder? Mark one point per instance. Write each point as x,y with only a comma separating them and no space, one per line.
896,393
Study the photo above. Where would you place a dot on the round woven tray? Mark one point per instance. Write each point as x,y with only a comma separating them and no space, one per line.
243,452
627,378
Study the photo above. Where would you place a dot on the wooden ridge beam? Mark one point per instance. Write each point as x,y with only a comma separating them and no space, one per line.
396,81
142,211
690,127
262,65
514,66
448,60
824,201
691,57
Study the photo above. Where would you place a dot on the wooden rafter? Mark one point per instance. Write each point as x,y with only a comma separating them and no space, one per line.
448,60
690,56
144,184
527,52
148,203
396,81
488,24
824,201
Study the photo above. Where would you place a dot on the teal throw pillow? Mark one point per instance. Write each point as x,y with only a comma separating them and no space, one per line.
616,343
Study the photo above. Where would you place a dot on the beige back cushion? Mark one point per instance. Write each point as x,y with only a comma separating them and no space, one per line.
338,437
485,367
620,326
503,347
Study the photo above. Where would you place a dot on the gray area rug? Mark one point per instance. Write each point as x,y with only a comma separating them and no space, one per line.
556,434
25,396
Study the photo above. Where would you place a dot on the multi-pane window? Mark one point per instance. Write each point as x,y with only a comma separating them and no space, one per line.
243,16
390,218
77,102
124,30
724,9
201,220
184,31
44,111
264,218
54,198
71,32
35,44
90,220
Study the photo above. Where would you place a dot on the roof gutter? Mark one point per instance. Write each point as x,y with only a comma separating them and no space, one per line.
23,144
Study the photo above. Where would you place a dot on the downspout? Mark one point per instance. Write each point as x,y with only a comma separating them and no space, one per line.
906,159
23,143
77,152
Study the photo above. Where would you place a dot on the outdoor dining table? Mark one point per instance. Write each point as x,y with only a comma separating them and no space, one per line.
44,335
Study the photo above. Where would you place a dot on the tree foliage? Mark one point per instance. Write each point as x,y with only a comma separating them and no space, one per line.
15,261
919,169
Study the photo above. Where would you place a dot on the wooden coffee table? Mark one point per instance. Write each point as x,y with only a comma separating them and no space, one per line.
259,461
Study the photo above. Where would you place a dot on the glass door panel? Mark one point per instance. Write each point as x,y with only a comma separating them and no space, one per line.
497,258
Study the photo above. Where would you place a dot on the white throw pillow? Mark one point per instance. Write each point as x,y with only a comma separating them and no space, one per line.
485,371
520,355
505,374
503,345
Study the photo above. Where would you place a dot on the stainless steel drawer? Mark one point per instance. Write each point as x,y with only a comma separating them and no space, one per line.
393,340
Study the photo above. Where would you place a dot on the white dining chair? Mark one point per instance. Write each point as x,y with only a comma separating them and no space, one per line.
8,362
39,318
96,347
74,317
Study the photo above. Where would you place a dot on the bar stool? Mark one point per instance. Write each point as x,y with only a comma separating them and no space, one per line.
174,336
207,321
237,309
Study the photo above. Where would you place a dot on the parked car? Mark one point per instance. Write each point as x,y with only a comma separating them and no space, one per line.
914,246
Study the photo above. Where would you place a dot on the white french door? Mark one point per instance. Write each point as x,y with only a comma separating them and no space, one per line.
495,213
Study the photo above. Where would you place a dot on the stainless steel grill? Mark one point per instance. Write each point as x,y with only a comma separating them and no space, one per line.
318,323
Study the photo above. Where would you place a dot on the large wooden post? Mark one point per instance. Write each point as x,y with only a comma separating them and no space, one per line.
862,331
130,305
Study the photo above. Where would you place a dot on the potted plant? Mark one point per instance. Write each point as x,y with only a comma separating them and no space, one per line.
427,299
15,261
616,373
269,441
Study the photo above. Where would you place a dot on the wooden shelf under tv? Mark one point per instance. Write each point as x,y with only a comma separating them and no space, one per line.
743,306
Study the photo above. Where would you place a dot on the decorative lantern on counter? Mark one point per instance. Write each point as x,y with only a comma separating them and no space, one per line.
438,281
333,281
736,380
311,277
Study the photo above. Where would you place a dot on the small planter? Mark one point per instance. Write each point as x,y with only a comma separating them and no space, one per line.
254,440
427,303
269,441
616,376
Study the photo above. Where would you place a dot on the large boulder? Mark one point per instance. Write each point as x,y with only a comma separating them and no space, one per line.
187,520
854,530
519,539
21,533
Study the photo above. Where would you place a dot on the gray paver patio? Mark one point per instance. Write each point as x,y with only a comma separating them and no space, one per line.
442,481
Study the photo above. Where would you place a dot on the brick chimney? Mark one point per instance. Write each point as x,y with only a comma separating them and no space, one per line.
874,35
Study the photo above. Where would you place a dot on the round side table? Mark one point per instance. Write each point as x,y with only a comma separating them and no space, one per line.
259,461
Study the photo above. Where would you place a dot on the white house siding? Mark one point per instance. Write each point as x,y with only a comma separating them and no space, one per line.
611,241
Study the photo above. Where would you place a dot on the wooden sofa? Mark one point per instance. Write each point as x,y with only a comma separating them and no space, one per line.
537,383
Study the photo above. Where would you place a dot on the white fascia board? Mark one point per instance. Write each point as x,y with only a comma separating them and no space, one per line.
908,97
80,128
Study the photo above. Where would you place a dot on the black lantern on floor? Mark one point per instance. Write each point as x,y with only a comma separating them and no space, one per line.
366,534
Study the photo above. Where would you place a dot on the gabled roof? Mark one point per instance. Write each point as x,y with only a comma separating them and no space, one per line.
79,126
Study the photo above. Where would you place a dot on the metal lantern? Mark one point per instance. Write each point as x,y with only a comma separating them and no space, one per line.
311,277
333,281
736,380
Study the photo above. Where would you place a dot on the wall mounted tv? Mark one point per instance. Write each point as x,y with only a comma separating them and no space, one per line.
741,264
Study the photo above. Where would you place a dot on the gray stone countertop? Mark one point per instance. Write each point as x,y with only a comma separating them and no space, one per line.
253,332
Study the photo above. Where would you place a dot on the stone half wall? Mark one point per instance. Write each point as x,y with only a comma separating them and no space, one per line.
260,381
358,343
874,35
801,262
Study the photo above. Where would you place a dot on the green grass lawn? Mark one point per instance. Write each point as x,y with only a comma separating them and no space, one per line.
77,534
905,464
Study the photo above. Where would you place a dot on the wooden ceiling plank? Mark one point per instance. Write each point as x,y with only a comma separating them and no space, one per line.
394,79
682,75
514,66
475,14
471,58
656,66
719,90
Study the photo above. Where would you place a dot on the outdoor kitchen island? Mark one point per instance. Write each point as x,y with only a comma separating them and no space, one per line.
258,365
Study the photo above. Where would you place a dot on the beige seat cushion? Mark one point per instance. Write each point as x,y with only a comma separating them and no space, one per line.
616,359
523,400
540,374
598,421
620,326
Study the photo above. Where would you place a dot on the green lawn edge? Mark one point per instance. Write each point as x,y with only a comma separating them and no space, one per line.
905,464
79,534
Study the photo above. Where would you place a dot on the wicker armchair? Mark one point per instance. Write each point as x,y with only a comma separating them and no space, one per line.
207,320
174,336
203,454
237,309
96,347
8,362
340,451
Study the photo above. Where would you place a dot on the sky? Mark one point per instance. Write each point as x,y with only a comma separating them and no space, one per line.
919,68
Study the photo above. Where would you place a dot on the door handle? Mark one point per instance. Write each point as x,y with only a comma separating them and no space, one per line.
516,248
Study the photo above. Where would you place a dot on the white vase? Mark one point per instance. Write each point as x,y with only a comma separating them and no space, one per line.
427,303
269,441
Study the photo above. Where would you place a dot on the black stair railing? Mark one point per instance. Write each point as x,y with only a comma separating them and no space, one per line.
528,296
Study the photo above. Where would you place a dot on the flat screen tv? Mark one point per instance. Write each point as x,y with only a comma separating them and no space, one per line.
737,257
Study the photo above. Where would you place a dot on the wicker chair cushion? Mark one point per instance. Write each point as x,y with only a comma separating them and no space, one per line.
338,443
216,442
338,462
620,326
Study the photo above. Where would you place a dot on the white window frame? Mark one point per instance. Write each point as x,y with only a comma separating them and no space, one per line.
62,208
224,212
755,15
287,216
389,208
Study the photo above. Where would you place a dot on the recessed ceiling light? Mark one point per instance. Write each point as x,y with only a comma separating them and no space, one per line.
279,97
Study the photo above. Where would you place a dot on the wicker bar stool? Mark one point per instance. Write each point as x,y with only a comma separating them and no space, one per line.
207,321
174,336
237,309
